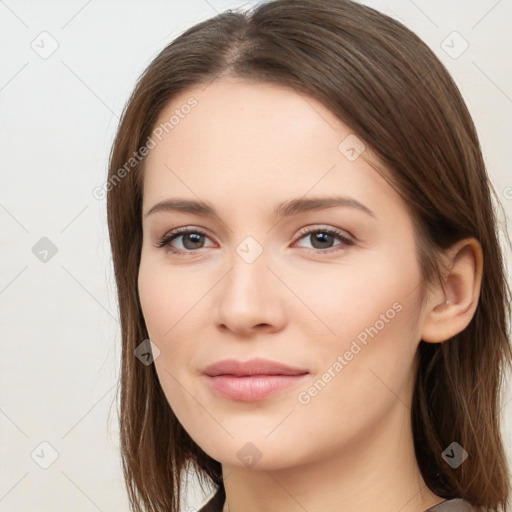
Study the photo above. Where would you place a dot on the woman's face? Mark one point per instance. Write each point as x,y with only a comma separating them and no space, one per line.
263,279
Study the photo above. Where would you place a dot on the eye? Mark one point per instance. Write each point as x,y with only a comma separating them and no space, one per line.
193,238
322,238
190,243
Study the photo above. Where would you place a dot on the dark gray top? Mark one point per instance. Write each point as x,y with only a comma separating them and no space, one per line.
456,505
216,502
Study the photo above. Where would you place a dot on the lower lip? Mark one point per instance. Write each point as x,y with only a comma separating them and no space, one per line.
254,387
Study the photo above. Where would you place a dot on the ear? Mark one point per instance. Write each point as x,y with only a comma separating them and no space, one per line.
452,303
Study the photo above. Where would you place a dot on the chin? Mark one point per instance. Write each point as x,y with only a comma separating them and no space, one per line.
255,454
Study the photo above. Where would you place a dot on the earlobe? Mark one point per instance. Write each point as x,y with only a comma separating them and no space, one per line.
451,306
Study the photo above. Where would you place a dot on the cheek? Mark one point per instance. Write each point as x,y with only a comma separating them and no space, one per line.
165,315
368,372
373,311
377,300
168,297
154,301
171,305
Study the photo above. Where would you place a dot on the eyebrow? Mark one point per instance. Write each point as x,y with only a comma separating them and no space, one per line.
284,209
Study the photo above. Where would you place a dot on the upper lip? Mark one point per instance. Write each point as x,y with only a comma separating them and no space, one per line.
252,367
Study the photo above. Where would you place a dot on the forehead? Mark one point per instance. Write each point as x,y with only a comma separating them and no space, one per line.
241,116
254,143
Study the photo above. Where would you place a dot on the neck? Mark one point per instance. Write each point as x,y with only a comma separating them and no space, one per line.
377,471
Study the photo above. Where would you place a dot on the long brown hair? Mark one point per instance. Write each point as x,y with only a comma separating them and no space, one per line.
383,82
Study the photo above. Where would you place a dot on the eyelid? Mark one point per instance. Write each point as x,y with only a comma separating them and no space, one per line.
322,228
346,238
175,233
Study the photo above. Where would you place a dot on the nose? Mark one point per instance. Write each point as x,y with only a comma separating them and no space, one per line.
251,298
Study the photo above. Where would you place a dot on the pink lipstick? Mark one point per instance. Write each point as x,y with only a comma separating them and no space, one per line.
252,380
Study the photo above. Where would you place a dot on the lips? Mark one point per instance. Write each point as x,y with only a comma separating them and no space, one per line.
252,367
249,381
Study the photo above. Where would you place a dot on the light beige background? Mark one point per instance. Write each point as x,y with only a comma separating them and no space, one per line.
58,115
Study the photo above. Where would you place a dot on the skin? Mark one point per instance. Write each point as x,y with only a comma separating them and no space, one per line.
244,148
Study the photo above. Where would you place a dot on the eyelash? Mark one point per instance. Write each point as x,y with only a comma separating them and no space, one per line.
169,237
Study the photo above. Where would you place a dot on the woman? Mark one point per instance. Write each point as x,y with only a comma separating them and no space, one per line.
305,247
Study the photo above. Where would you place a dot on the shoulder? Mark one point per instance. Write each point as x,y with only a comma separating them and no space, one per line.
456,505
216,502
